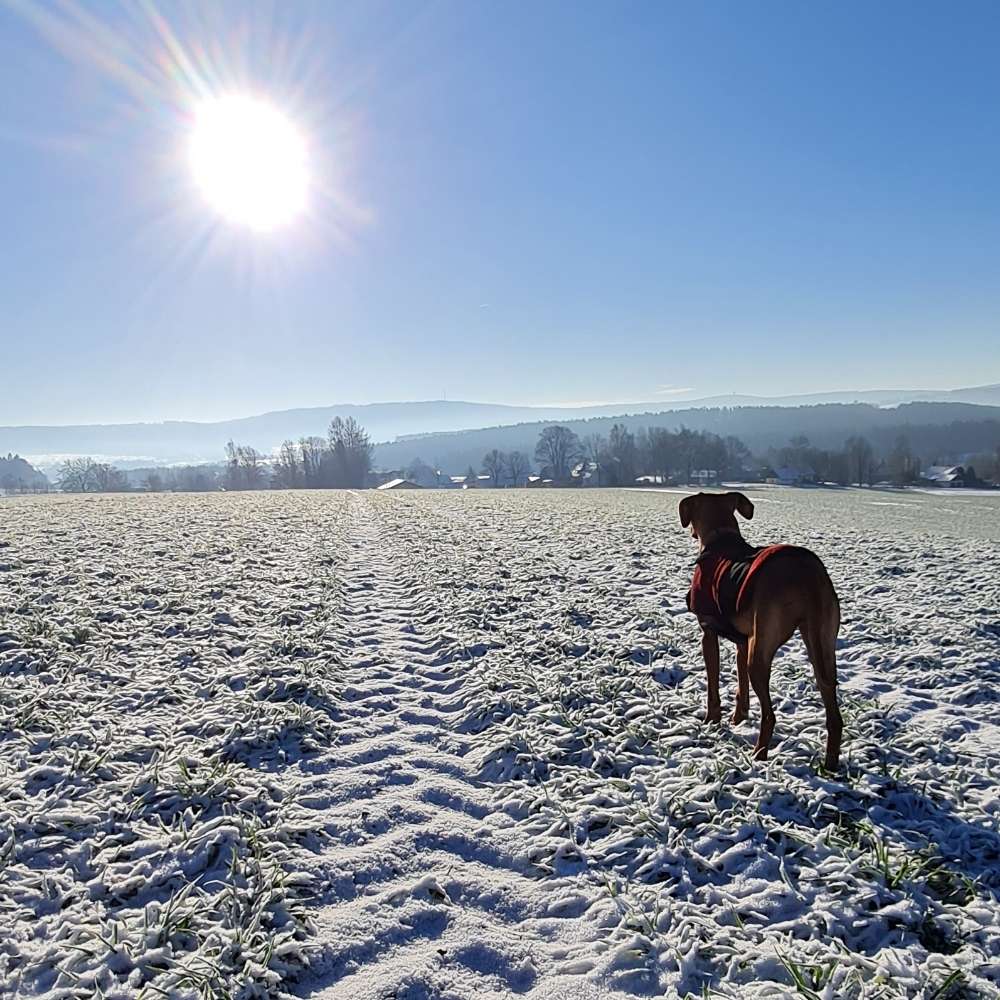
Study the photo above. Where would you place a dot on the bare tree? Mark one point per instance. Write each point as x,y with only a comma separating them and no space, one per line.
351,450
311,452
244,467
622,455
232,476
662,452
287,467
860,457
493,465
108,479
419,472
251,468
737,457
78,475
194,479
595,448
84,475
686,443
902,465
557,450
518,467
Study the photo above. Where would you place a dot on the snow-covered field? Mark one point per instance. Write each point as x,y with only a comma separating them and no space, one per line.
431,745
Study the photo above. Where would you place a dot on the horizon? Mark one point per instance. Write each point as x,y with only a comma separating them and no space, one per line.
667,404
404,432
569,203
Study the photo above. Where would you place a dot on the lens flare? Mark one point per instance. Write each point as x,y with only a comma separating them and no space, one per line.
249,161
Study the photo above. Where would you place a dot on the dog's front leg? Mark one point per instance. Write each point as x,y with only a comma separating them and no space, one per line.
710,651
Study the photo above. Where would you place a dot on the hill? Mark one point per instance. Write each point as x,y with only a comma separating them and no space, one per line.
934,429
189,441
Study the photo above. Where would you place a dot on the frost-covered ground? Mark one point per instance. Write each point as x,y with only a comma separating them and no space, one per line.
446,745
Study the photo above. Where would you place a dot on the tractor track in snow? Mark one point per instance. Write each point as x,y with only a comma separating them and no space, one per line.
431,893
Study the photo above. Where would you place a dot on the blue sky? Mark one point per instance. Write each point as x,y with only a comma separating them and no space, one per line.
530,203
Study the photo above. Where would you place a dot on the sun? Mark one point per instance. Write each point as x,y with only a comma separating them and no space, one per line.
249,161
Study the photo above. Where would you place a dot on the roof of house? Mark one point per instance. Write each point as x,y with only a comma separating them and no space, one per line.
944,473
400,484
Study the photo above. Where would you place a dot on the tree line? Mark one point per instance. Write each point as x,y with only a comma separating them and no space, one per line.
84,475
343,459
340,460
860,463
624,455
617,459
949,431
17,475
687,456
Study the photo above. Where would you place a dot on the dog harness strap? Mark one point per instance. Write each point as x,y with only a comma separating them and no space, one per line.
722,582
718,575
762,556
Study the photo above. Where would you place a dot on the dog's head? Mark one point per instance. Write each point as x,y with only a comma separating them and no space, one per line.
713,513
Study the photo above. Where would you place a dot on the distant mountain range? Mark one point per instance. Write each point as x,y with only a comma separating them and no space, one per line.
983,395
188,441
935,430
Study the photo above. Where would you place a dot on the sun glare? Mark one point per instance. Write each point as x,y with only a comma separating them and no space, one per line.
249,161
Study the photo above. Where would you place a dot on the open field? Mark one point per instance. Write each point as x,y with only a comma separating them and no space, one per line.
446,745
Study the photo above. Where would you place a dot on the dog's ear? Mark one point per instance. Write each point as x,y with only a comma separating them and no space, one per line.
686,509
742,504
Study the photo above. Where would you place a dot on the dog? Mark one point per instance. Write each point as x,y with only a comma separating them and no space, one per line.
757,598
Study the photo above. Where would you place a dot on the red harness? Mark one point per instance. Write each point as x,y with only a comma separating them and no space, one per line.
723,582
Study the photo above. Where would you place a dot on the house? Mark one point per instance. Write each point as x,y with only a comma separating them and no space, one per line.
466,482
376,477
400,484
585,474
705,477
945,475
536,482
790,475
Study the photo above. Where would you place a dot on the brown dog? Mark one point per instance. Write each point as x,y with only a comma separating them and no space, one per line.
757,598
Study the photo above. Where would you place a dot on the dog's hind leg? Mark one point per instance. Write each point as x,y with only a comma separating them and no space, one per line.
772,628
763,646
742,684
820,636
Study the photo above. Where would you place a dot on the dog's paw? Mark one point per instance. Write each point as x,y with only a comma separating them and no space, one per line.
713,717
740,715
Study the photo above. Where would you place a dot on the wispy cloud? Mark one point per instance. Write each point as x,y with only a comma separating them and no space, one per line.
673,390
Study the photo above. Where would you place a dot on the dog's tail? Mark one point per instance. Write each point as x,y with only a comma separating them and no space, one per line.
819,632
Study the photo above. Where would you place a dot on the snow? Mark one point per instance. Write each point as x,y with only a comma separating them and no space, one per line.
441,744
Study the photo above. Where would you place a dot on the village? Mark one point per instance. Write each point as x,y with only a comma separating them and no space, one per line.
587,475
